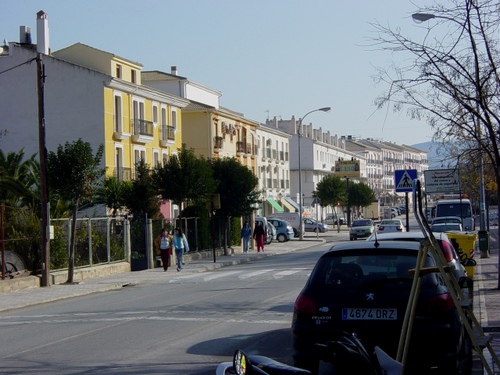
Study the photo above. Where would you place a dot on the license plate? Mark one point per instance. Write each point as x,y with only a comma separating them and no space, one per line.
369,314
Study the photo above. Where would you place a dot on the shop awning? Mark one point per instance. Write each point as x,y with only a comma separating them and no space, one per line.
287,205
292,202
275,204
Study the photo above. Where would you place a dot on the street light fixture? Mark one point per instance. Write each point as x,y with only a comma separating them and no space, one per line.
422,17
299,133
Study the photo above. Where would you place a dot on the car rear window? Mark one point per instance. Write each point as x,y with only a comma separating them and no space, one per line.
361,223
348,270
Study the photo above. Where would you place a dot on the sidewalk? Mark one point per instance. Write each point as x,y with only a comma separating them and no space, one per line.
36,295
487,304
486,294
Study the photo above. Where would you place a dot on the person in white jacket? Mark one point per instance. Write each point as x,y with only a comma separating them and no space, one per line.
180,244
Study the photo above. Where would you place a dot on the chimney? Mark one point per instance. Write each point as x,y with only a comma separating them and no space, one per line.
24,35
42,33
173,70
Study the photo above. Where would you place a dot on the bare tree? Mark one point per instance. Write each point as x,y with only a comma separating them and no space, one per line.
452,78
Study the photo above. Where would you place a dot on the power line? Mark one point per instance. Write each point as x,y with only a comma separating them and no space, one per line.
17,66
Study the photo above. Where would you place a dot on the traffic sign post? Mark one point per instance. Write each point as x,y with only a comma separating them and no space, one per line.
403,182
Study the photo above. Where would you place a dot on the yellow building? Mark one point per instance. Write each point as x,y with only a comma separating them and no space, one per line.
139,122
210,130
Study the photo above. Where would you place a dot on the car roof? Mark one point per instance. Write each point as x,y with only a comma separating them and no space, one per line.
405,236
398,245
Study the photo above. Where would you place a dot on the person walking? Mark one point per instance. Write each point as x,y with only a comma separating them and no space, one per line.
246,233
258,235
180,245
163,245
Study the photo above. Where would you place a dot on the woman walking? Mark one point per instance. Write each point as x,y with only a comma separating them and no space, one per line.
258,235
180,244
246,233
163,244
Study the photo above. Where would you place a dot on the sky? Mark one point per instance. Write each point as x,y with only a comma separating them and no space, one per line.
268,58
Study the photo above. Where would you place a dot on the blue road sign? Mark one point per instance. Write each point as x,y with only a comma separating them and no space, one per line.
403,180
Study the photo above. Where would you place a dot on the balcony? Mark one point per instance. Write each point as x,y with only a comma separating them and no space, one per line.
218,142
142,131
123,174
240,148
167,135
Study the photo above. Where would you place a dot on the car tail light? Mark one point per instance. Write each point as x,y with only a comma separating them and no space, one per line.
399,228
447,251
305,305
381,228
442,303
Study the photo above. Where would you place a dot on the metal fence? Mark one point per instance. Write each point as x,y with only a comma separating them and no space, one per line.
97,241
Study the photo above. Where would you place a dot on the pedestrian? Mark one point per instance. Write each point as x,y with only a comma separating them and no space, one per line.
180,244
246,233
258,235
163,245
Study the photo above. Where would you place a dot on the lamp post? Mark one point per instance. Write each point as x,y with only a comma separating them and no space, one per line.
422,17
299,133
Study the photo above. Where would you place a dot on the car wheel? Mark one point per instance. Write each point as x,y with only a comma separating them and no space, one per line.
465,355
281,237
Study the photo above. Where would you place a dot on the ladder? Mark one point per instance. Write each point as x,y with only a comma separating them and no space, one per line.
463,304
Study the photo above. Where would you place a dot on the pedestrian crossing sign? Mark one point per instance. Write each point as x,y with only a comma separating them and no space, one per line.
403,180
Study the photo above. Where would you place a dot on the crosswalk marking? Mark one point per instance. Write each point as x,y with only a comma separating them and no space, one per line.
253,274
241,275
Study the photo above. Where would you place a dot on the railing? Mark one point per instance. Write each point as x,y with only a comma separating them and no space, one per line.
217,142
167,133
123,174
142,127
240,147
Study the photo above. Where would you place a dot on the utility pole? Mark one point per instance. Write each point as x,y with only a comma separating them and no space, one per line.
45,244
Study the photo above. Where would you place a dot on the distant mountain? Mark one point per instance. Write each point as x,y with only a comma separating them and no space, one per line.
436,160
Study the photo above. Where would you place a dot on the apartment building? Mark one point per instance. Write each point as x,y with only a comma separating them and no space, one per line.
320,153
383,158
89,94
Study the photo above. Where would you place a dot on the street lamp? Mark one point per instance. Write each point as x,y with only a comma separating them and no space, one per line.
422,17
299,133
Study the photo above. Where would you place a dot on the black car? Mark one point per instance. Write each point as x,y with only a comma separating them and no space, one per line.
364,288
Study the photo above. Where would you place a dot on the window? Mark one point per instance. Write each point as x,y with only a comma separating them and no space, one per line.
155,113
118,71
133,76
174,118
118,114
163,116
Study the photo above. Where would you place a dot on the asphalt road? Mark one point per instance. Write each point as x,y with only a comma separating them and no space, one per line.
184,324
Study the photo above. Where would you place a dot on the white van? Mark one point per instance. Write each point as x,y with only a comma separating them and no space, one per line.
456,207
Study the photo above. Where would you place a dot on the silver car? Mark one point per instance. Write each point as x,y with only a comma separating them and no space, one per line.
361,228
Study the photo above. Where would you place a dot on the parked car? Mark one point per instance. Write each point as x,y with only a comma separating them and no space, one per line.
445,220
391,225
284,230
446,227
449,252
272,233
361,228
394,212
364,288
311,225
332,220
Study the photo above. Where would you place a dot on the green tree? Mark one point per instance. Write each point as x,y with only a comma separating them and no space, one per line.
185,178
113,193
237,187
360,195
73,173
18,178
142,197
331,190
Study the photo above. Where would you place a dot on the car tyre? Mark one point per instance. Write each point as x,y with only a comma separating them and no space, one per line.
281,237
